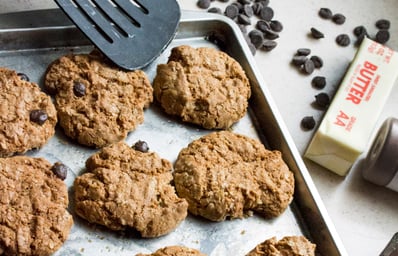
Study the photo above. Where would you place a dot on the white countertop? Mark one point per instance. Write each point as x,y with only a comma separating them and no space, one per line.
365,215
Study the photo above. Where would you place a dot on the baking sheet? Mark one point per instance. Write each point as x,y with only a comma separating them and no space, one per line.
22,48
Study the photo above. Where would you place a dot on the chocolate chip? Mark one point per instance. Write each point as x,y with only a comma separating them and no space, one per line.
60,170
266,13
308,122
319,82
303,51
360,39
203,4
382,36
318,62
23,76
322,100
263,2
38,116
383,24
256,38
269,45
360,30
299,60
141,146
308,67
243,2
316,33
79,89
263,25
247,10
231,11
271,35
343,40
276,25
338,18
243,19
325,13
257,8
215,10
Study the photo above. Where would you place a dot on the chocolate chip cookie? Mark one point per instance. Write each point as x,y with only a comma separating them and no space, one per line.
288,245
27,115
125,188
227,175
33,202
203,86
174,251
97,103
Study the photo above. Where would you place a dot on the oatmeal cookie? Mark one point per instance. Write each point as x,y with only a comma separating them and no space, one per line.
174,251
97,103
124,188
203,86
27,115
288,245
227,175
33,202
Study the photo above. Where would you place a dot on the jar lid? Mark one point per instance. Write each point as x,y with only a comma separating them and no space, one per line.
381,162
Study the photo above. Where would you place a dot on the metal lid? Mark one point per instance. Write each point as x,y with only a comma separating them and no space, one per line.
381,162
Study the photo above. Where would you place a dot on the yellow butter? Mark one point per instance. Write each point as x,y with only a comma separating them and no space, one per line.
350,119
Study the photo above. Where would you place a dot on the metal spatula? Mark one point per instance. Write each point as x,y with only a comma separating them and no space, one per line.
131,33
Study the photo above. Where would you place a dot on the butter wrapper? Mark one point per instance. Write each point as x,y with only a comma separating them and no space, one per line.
351,117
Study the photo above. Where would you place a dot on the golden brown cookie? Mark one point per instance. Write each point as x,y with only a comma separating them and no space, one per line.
125,188
33,202
227,175
97,103
27,115
288,245
203,86
174,251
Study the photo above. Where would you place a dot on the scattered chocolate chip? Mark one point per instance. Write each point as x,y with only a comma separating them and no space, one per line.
276,25
269,45
382,36
266,13
322,100
303,51
247,10
256,38
299,60
308,66
264,2
23,76
243,2
315,33
360,30
271,35
343,40
215,10
318,62
231,11
60,170
263,25
38,116
257,8
79,89
243,19
141,146
325,13
203,4
319,82
383,24
308,122
338,18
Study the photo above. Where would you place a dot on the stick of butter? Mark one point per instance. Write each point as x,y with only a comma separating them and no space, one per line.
350,119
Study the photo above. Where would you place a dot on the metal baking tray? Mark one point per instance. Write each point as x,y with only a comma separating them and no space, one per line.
30,41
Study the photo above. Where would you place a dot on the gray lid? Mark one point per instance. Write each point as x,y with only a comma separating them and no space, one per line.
381,163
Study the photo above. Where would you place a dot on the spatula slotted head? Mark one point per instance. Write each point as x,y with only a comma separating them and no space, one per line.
131,33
